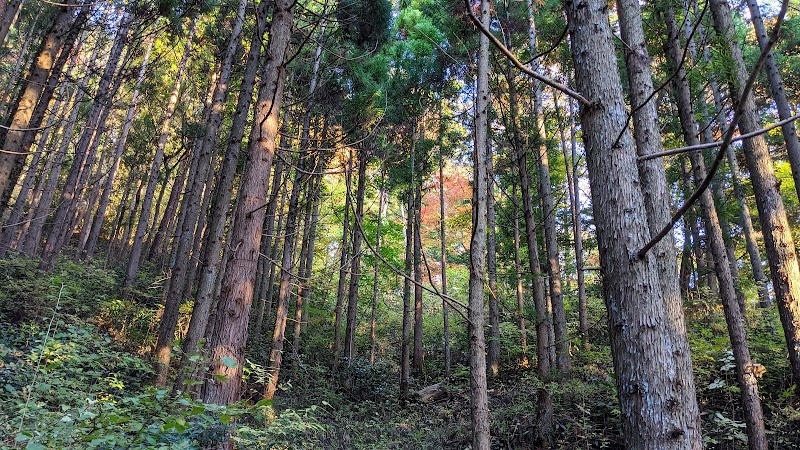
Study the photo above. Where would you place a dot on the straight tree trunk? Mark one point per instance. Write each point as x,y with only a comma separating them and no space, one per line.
287,275
343,264
222,199
152,180
775,227
748,383
493,353
445,306
355,265
405,337
310,236
417,359
233,312
573,190
181,269
373,335
479,399
778,93
43,68
520,289
657,407
86,148
656,198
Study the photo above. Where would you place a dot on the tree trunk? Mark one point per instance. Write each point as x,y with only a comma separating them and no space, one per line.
778,94
775,227
285,287
656,404
748,383
417,359
99,217
343,264
445,306
573,190
52,55
8,17
180,278
738,190
493,353
355,265
373,336
236,295
310,238
222,197
655,194
520,289
405,337
479,399
86,148
164,134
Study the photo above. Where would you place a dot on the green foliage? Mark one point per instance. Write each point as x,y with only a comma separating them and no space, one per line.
68,386
28,293
366,22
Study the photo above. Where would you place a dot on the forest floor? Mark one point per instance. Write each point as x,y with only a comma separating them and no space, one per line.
74,375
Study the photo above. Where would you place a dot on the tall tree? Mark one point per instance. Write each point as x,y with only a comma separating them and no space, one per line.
656,409
230,331
479,406
775,227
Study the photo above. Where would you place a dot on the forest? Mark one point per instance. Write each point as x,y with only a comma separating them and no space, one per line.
399,224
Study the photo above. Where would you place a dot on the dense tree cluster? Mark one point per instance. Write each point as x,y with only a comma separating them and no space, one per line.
491,186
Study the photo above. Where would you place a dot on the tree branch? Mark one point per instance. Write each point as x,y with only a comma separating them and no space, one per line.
518,64
728,135
691,148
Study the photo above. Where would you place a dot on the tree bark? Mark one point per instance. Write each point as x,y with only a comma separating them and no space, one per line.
445,306
180,272
405,337
417,359
493,353
355,265
775,227
657,206
34,99
373,328
99,217
343,264
657,407
152,180
748,383
236,295
85,151
479,399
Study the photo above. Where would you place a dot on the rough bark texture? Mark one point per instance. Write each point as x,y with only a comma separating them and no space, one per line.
748,383
479,400
656,407
86,148
775,227
493,353
13,155
155,168
236,295
210,269
657,204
